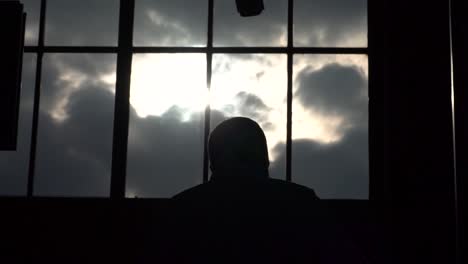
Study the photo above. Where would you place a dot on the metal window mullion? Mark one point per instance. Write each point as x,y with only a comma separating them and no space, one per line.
37,96
228,50
289,91
72,49
209,61
266,50
122,97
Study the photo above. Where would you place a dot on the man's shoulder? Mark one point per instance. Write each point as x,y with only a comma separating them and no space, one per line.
290,188
269,189
196,191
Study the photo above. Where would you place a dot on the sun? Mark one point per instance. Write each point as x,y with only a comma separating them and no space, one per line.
161,81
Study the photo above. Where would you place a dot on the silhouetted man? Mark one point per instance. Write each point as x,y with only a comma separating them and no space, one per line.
239,163
241,215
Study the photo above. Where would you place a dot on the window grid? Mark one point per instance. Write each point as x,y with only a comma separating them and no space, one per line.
125,51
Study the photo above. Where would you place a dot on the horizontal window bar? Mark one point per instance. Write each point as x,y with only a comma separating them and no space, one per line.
299,50
63,49
250,50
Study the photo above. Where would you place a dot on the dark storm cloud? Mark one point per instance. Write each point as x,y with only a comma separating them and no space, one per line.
165,154
252,106
216,117
74,155
179,22
169,23
330,22
335,90
84,22
86,68
337,170
90,65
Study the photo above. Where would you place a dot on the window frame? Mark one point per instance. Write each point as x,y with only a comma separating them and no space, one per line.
125,50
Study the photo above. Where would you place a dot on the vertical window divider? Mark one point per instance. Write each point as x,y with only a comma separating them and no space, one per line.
209,61
289,92
37,96
122,99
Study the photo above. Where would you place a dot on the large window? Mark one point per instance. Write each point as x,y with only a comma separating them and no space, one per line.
125,97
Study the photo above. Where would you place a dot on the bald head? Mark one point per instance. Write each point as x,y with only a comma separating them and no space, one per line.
238,145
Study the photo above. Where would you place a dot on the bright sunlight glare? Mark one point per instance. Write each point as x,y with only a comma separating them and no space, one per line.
161,81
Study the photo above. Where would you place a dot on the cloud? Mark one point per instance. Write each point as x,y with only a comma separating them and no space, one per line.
335,90
184,23
64,74
75,151
267,29
74,155
336,170
252,106
171,23
85,22
330,23
165,154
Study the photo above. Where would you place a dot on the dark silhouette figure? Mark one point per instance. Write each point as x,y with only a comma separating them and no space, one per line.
239,163
242,216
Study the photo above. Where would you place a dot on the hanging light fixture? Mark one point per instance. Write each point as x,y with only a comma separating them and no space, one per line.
248,8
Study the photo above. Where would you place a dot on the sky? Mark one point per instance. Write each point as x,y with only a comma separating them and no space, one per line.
169,93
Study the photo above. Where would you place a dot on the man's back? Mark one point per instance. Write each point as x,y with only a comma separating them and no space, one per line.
243,216
243,221
260,189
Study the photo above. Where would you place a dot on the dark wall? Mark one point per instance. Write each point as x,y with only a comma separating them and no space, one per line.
11,50
103,231
411,52
460,78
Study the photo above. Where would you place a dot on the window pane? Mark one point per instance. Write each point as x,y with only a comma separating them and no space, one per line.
14,164
254,86
330,125
32,9
170,23
330,23
83,22
267,29
76,115
165,145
